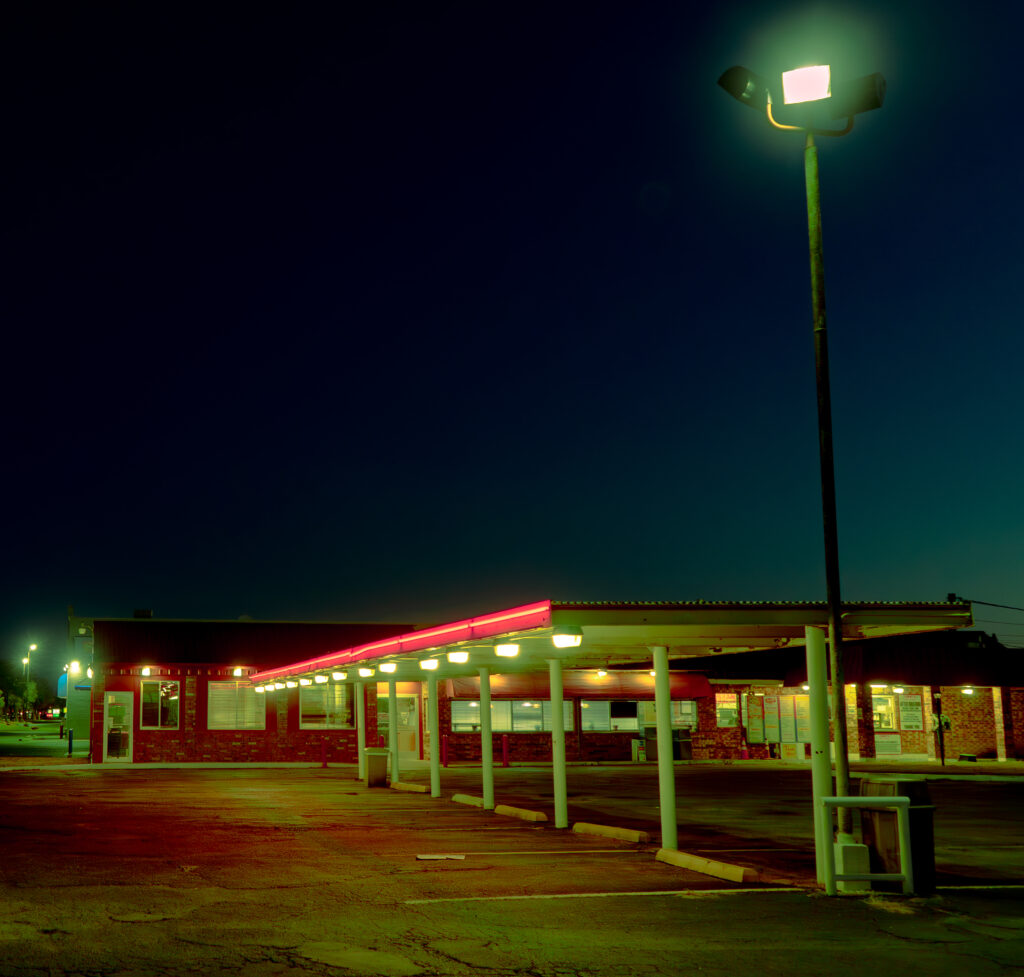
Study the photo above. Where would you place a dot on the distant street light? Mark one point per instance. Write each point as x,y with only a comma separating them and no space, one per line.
815,88
27,660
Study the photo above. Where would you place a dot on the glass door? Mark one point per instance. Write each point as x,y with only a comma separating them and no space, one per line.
118,714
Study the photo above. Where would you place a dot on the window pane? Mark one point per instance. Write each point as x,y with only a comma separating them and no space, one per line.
328,706
465,717
527,717
726,709
159,705
684,714
235,705
596,715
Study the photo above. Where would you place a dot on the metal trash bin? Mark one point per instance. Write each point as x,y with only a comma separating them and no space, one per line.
377,761
881,836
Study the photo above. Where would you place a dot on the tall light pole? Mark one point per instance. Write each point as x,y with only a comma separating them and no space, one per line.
27,660
813,85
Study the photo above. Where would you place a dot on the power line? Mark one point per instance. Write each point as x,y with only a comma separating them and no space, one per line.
1006,607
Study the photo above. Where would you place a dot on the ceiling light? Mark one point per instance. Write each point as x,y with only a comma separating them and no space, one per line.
506,651
806,688
898,689
567,637
652,674
429,664
291,685
278,686
458,657
366,673
305,681
601,673
388,667
341,676
259,688
319,679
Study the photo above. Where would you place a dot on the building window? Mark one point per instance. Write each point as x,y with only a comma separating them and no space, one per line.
325,707
522,716
884,710
235,705
726,709
159,705
609,716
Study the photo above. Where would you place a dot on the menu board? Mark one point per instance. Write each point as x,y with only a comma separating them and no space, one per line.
771,718
755,718
787,719
803,718
911,712
887,744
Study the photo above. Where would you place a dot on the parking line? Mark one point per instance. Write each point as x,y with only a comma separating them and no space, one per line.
695,893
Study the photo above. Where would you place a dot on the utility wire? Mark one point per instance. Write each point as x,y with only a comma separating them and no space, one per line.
1007,607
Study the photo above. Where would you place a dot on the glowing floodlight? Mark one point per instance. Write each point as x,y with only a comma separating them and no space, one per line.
898,689
458,657
278,686
807,84
389,667
366,673
429,664
147,671
320,679
305,681
237,673
291,685
260,688
74,668
967,691
601,673
567,637
506,651
341,676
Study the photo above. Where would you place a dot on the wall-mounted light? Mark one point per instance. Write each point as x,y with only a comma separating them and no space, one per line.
320,679
898,689
601,673
88,672
147,671
967,691
74,668
341,676
389,667
237,673
429,664
458,657
366,673
506,651
806,688
878,686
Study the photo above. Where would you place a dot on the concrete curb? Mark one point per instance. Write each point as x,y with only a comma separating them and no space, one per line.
416,788
520,812
707,866
468,799
607,831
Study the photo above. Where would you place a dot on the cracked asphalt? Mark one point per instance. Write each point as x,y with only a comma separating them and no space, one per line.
257,872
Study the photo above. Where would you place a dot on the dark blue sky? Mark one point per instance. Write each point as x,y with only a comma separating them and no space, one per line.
411,311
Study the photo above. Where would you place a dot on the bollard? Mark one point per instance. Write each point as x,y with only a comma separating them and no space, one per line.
504,749
71,741
62,731
444,751
323,753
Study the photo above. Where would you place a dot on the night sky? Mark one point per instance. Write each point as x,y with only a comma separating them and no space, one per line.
411,311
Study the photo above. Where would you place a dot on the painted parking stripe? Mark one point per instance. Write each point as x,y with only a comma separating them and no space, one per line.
694,893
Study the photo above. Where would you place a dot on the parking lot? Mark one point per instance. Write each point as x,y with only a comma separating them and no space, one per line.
260,871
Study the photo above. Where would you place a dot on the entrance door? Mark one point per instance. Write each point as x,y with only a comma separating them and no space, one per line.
408,726
118,715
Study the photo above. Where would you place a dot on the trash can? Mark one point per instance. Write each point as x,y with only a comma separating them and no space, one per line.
882,837
377,759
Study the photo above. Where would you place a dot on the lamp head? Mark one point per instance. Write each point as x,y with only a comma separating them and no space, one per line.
746,87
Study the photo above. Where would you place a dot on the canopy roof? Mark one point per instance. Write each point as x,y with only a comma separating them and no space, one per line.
619,634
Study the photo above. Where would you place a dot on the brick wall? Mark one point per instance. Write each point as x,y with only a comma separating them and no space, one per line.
1013,717
972,719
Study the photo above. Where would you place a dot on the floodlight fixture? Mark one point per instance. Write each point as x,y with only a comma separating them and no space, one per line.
429,664
506,650
366,673
458,657
291,685
305,681
809,84
320,679
389,667
747,87
340,676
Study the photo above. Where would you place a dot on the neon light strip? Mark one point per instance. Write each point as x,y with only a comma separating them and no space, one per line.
475,627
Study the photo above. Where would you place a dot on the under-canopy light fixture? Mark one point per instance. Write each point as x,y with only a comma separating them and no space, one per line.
567,637
429,664
305,681
388,667
601,673
291,685
260,688
339,676
319,679
366,673
506,651
278,686
458,657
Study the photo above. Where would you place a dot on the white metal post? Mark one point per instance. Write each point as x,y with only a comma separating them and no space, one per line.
360,728
821,766
393,729
486,746
558,743
435,739
666,768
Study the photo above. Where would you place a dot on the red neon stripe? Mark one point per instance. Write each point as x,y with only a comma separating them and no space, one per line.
412,641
